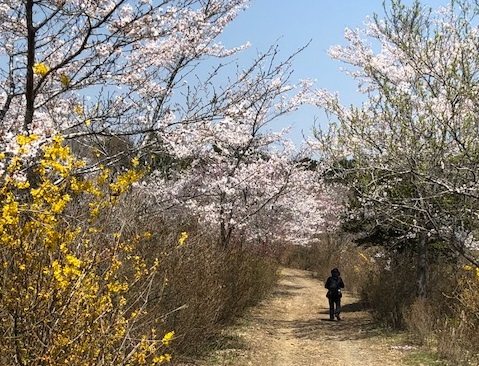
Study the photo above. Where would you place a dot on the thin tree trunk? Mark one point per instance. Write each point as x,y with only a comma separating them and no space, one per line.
422,267
29,92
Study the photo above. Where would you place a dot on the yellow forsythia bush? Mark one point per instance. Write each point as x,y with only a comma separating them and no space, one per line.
64,280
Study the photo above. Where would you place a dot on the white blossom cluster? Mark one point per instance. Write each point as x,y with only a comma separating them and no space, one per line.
410,150
105,69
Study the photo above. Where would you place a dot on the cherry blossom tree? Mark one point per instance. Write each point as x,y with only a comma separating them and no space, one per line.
127,80
242,178
101,68
409,152
255,199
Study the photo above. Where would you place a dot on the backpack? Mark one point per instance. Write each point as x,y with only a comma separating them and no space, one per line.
334,290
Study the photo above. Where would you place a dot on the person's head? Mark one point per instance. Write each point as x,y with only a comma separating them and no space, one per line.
335,272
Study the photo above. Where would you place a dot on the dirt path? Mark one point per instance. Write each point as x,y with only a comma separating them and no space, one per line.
292,328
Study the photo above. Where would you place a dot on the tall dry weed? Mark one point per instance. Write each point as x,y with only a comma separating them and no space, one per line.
200,286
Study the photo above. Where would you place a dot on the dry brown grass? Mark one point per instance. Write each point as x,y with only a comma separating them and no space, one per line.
200,287
445,323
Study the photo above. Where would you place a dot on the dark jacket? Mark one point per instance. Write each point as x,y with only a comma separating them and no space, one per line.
330,281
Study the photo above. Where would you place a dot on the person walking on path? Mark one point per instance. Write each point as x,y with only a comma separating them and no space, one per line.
334,284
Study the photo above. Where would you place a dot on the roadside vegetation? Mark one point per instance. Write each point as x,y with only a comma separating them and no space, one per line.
147,198
441,328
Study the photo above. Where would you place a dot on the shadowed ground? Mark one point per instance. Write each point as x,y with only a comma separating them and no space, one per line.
292,328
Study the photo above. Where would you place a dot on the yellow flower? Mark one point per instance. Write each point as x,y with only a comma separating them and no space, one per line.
58,139
59,206
163,358
94,211
58,274
117,286
88,122
10,213
183,237
23,140
135,161
124,182
65,80
22,185
73,261
78,109
40,69
168,337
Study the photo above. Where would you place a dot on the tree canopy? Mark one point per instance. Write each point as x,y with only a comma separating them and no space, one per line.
412,145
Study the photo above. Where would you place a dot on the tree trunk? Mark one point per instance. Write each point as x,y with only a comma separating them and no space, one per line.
29,92
421,276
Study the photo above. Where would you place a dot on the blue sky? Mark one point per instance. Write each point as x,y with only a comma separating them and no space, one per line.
292,24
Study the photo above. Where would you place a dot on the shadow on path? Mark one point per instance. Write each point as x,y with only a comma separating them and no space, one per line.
285,290
356,324
292,328
348,329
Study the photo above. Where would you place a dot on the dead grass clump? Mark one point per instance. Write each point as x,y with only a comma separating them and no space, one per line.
390,287
457,334
453,344
424,316
317,255
421,320
207,287
200,286
248,277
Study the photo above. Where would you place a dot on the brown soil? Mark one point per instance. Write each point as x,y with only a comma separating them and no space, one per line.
292,328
